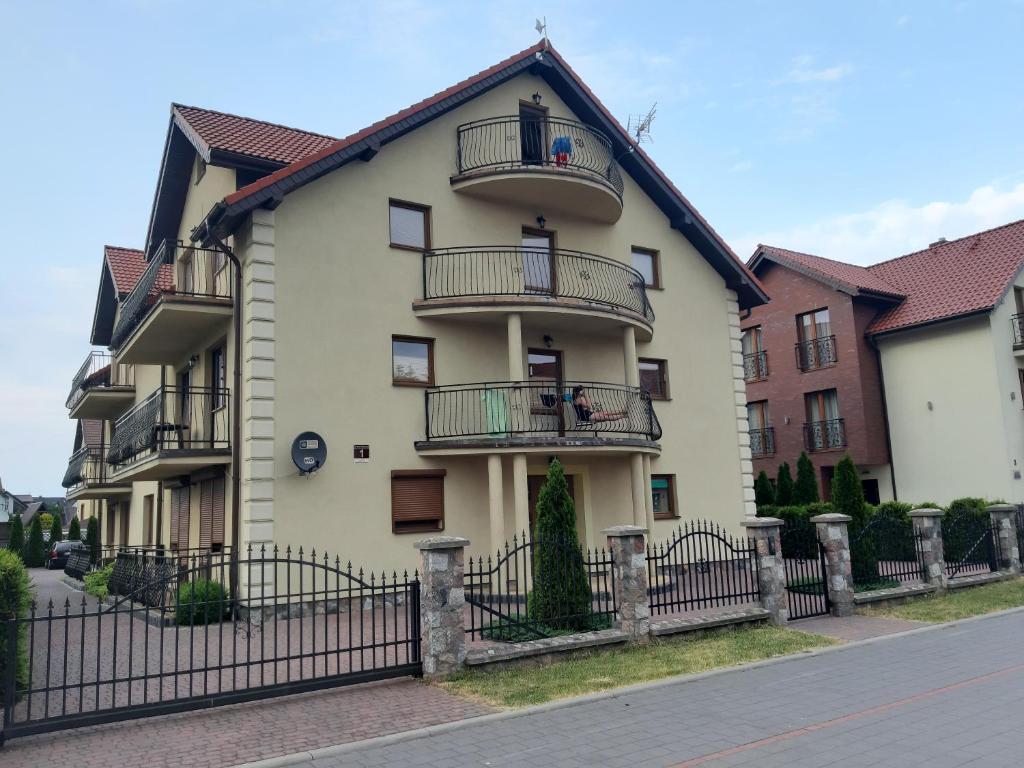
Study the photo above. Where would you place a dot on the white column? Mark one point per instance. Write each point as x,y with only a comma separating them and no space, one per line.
514,324
521,490
629,357
495,493
636,476
648,495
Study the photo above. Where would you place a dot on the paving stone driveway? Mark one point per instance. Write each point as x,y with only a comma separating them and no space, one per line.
953,696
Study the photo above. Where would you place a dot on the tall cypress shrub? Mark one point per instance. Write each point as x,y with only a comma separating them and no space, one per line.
806,488
35,547
56,531
848,499
74,530
784,486
92,538
16,542
15,598
561,589
764,491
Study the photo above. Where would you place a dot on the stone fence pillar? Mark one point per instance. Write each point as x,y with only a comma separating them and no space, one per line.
1004,530
766,533
928,524
442,597
629,563
834,534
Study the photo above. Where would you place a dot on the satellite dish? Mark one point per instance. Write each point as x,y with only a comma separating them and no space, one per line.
309,452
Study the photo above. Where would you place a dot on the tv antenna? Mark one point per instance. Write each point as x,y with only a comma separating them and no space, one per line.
639,126
542,28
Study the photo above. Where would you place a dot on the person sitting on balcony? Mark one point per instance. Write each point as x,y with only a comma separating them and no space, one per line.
586,413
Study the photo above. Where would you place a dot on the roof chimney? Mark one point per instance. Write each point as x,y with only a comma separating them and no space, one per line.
940,241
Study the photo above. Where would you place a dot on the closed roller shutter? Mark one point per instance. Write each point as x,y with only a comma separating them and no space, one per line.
217,528
205,513
179,518
417,500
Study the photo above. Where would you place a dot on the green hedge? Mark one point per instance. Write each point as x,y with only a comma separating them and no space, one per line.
96,583
15,599
202,602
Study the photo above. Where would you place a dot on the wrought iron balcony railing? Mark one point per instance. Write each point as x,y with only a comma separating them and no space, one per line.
501,270
762,441
1017,325
824,435
85,467
172,419
97,371
816,353
506,409
513,142
755,366
176,269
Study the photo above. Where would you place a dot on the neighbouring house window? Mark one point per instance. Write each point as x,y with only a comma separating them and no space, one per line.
762,437
755,359
816,347
179,517
219,377
654,378
646,262
663,490
417,500
824,429
412,361
211,514
410,225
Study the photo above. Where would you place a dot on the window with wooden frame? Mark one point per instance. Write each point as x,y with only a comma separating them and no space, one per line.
409,225
412,361
417,500
211,514
654,377
816,347
648,263
219,377
663,492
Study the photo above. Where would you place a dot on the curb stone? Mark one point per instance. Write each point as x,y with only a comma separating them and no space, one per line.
298,758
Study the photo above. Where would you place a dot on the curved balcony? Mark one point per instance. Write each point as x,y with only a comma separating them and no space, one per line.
518,415
580,287
546,163
87,476
100,390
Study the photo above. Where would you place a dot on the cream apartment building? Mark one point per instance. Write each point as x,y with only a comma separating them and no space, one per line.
448,299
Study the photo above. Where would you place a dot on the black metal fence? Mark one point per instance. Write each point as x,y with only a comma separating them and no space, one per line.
516,142
539,588
175,269
701,567
97,371
295,623
806,575
172,418
755,366
970,545
816,353
824,435
517,271
762,441
505,409
886,552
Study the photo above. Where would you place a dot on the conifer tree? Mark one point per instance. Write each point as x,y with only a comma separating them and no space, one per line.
764,492
806,488
784,486
35,547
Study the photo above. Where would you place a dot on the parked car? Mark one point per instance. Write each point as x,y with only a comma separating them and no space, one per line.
60,552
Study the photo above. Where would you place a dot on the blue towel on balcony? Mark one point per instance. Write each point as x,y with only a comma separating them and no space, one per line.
561,145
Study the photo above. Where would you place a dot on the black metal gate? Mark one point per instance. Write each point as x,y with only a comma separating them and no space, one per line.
806,579
202,630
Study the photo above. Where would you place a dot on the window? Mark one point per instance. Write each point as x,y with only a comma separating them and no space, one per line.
654,378
180,509
147,519
417,500
663,490
219,377
762,436
646,262
412,361
816,347
824,429
211,514
755,359
410,225
538,260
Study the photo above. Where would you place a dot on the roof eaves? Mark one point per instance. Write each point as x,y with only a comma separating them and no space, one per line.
931,321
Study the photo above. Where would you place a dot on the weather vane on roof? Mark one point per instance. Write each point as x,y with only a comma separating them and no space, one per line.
639,126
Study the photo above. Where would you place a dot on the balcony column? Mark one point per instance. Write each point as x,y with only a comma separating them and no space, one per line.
648,495
636,475
521,491
495,499
514,324
629,359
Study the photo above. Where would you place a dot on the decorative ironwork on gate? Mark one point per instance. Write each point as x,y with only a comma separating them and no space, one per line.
886,552
806,580
205,631
701,567
536,588
969,543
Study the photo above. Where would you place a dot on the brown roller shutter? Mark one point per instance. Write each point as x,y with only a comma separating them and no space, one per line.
179,518
205,513
217,528
174,517
417,501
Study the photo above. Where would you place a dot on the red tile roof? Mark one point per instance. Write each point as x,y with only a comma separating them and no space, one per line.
847,277
956,278
245,136
127,265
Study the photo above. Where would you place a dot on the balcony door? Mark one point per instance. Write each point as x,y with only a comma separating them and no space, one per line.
532,134
757,419
822,413
545,371
535,483
813,330
538,260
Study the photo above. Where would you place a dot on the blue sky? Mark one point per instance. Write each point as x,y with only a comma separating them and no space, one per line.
857,130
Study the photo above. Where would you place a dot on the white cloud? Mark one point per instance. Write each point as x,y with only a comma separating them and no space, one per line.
741,166
894,227
803,70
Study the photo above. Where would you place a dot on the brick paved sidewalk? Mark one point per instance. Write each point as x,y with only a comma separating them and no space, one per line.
852,628
224,736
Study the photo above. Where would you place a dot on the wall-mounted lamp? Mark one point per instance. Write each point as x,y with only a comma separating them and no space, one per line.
541,221
548,341
536,98
930,406
785,419
193,361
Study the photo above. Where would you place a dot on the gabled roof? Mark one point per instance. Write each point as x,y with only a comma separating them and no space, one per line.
952,279
542,60
848,278
122,268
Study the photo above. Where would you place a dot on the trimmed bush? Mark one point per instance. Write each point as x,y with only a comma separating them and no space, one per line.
97,583
56,532
16,542
963,523
15,601
764,491
784,486
806,489
561,595
35,547
92,538
45,520
74,530
202,602
848,499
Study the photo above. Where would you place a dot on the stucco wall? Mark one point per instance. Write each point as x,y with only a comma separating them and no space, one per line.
1010,396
